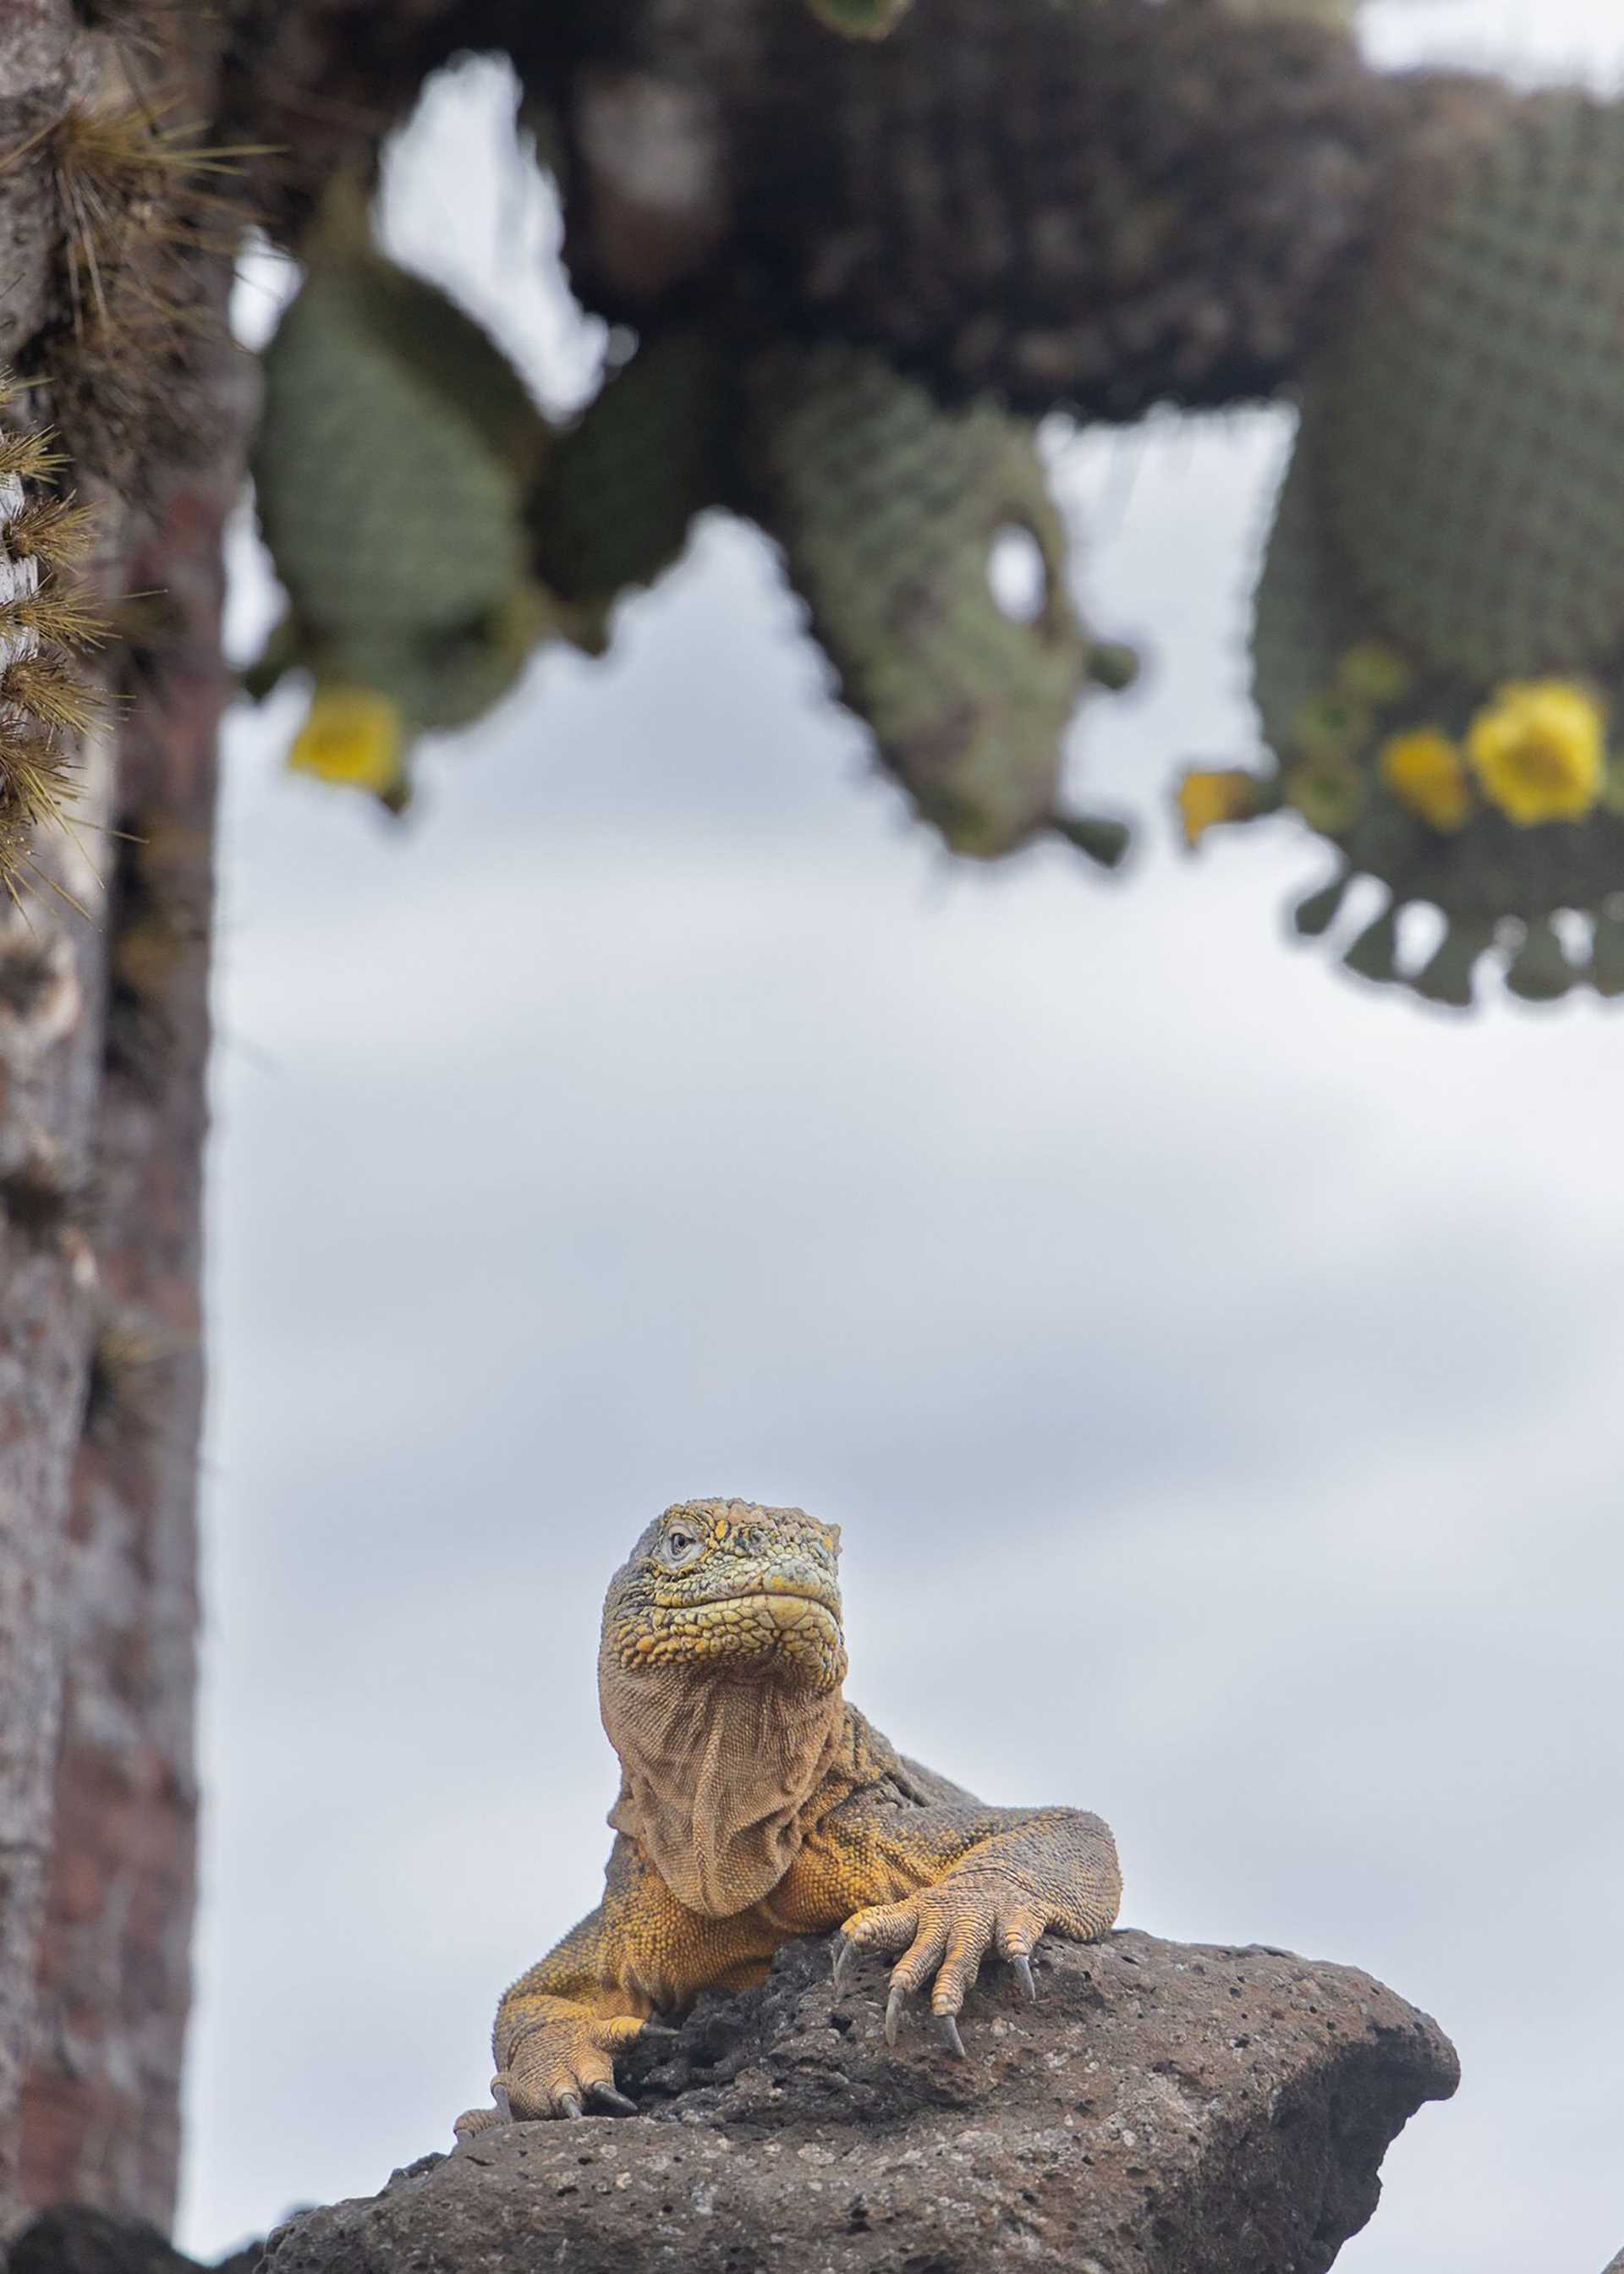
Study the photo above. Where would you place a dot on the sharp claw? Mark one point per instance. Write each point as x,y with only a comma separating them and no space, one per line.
605,2096
842,1951
1022,1969
568,2105
659,2030
894,2011
947,2029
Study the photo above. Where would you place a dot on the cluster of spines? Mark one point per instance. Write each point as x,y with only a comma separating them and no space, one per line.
137,203
46,626
140,201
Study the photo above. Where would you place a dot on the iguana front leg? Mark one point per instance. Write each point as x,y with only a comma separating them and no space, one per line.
640,1952
986,1880
556,2036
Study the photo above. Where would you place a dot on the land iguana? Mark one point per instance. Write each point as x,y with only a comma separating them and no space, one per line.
756,1804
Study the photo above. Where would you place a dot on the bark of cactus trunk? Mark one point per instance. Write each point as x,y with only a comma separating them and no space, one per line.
49,1053
52,981
104,1031
100,2109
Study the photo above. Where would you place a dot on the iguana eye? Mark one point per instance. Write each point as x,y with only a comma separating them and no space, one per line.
678,1546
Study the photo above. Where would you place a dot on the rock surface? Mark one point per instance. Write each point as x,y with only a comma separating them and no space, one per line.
73,2239
1164,2108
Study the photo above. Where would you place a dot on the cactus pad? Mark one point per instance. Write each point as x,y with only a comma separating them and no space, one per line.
1490,800
453,678
613,508
393,452
1468,419
887,508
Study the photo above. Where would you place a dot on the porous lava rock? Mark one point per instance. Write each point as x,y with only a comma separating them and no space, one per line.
74,2239
1163,2108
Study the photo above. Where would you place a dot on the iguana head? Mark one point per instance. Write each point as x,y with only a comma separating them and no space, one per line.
719,1678
724,1589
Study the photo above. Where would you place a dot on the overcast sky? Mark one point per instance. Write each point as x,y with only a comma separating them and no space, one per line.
1215,1365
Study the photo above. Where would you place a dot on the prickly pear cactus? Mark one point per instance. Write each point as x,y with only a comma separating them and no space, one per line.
396,451
1469,420
1493,801
1437,641
377,690
384,494
887,509
618,494
449,679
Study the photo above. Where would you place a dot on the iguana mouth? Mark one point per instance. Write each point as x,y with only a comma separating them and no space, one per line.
776,1606
799,1619
790,1591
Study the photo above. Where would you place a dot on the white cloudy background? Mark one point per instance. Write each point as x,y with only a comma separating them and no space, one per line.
1214,1363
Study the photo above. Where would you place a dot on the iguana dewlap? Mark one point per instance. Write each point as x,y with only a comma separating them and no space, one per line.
755,1804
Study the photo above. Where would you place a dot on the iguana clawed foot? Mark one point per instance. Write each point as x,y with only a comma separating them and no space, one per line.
564,2066
946,1930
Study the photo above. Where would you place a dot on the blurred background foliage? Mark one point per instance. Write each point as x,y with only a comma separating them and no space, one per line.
1436,645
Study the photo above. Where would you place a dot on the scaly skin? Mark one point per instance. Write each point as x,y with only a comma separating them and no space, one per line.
778,1810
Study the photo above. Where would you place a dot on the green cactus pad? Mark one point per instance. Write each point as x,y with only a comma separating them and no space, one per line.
1469,414
618,495
449,679
1332,686
395,449
887,508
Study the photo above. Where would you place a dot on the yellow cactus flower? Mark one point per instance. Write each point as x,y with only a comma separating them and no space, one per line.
1207,795
1369,672
1425,772
1539,750
353,736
